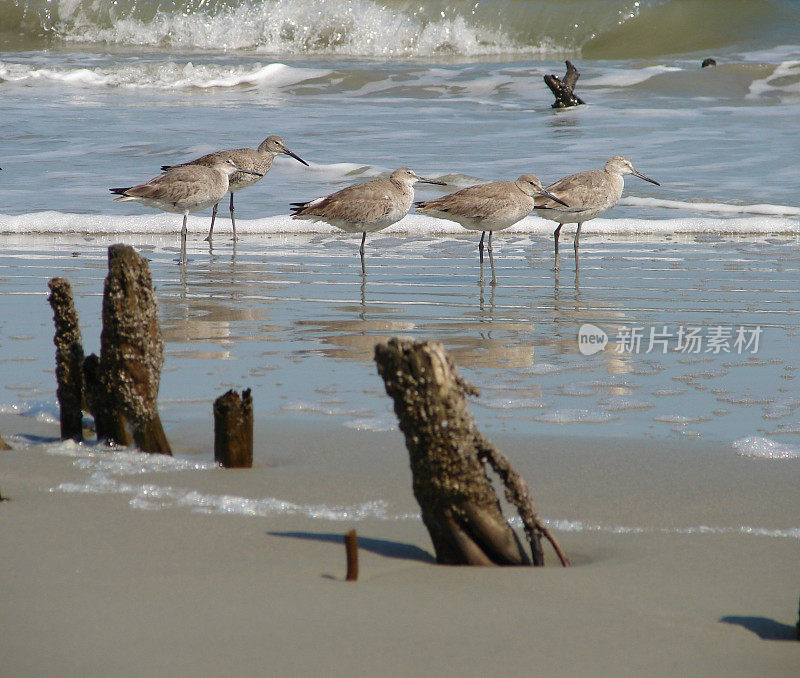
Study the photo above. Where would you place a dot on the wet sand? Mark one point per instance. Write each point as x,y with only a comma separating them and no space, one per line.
94,586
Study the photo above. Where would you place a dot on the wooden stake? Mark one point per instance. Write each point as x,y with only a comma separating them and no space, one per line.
132,351
69,356
563,89
459,505
351,547
233,430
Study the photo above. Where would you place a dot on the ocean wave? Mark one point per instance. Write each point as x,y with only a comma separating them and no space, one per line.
400,28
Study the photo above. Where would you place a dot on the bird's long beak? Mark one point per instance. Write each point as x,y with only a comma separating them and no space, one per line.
436,182
552,197
642,176
296,157
244,171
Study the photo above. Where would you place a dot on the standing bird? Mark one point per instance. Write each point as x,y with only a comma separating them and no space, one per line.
589,194
257,161
488,207
365,208
184,189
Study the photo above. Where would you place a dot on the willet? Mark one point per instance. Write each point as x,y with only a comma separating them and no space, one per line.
184,189
488,207
365,208
588,194
257,161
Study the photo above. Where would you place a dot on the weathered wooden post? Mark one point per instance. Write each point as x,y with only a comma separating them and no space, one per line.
351,549
562,89
233,430
448,457
131,351
69,357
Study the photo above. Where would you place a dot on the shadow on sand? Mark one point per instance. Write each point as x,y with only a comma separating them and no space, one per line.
764,628
383,547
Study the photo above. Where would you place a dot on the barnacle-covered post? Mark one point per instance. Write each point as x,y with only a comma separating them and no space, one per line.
233,429
132,350
69,357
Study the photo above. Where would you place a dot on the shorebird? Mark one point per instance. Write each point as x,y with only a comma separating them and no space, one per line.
488,207
257,161
365,208
184,189
588,194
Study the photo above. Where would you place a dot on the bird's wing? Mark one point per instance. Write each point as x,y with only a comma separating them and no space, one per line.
479,202
577,190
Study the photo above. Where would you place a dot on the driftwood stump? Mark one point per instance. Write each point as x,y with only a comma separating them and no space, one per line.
233,430
562,89
448,456
131,352
69,357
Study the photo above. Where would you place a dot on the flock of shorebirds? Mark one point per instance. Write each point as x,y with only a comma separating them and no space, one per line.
372,206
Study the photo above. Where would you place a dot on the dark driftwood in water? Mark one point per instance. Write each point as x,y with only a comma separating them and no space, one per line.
132,350
562,89
69,357
459,505
233,430
710,61
351,548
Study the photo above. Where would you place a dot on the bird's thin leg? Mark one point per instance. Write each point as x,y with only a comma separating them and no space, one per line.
233,220
213,218
183,240
577,238
556,233
491,259
363,239
480,246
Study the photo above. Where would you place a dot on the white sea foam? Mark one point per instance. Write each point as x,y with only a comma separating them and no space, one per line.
575,416
627,78
46,412
503,403
327,408
169,75
381,423
714,207
785,79
413,224
583,526
623,403
355,28
765,448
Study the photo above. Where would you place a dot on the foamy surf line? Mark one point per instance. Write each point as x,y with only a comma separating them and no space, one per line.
105,467
51,222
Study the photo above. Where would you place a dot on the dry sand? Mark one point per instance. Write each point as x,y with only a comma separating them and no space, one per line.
94,587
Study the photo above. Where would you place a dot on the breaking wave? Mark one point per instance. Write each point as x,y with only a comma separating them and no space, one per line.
399,28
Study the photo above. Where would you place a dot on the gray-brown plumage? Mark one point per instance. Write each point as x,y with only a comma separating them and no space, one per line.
365,208
488,207
183,189
588,194
255,160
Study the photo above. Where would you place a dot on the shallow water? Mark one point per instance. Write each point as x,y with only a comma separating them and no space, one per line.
294,318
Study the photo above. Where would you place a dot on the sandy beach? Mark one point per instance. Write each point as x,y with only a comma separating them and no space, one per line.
646,387
94,586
